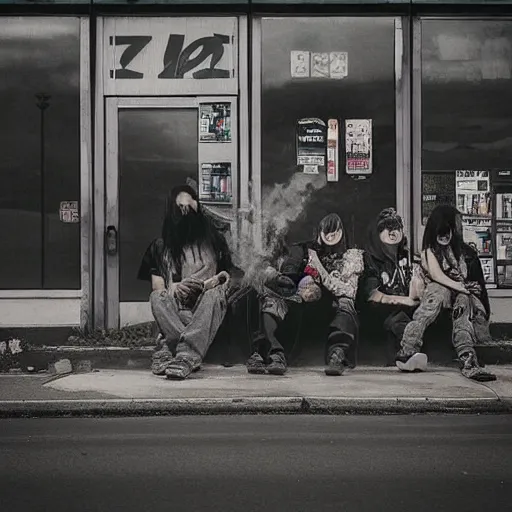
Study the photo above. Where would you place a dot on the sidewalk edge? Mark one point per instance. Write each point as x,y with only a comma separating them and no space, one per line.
250,405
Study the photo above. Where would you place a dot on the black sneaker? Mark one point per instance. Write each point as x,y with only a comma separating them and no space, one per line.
415,362
255,364
472,370
277,365
336,363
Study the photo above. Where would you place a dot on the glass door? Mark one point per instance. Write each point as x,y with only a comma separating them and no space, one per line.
153,145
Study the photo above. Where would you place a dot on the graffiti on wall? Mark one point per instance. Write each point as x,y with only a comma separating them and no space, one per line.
177,59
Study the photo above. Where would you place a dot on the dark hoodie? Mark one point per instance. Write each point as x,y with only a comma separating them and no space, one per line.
386,268
476,274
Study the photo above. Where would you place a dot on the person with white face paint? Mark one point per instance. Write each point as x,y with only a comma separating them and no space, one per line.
447,285
386,290
323,274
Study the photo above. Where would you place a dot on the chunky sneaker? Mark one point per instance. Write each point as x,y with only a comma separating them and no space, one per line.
277,365
180,368
160,360
336,363
255,364
472,370
416,362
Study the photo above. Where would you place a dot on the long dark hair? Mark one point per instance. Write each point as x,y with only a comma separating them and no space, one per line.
194,229
441,222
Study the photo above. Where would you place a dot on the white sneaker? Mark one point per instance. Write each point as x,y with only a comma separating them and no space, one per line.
416,363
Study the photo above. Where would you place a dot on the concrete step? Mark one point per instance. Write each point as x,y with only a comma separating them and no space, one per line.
87,358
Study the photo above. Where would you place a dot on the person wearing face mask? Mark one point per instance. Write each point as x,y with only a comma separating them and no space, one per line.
189,267
321,273
447,285
388,293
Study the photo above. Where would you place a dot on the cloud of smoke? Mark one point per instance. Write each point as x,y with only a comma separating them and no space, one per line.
281,206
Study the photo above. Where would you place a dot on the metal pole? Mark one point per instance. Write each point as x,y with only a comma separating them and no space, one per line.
43,104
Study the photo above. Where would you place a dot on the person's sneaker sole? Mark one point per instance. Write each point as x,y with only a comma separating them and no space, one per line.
259,370
276,371
416,363
333,372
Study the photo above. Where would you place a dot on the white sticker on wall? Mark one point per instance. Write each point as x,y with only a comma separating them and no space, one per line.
338,65
299,64
68,212
320,65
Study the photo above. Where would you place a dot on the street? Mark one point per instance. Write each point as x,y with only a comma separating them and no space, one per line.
271,463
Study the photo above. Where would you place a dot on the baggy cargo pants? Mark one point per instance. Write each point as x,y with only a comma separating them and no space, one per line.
468,317
189,334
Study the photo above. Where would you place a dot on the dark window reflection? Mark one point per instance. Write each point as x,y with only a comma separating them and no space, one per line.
157,151
39,55
367,92
466,94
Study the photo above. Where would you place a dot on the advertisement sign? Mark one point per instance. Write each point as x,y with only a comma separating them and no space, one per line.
215,122
311,143
215,183
358,146
332,150
170,55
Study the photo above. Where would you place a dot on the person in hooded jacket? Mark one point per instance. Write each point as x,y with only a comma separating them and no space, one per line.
387,286
323,270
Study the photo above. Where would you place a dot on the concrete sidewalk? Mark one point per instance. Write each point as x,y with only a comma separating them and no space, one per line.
218,390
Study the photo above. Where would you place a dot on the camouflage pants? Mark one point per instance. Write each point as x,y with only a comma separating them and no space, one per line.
468,317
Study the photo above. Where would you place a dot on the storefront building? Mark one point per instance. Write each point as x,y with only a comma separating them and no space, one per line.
107,105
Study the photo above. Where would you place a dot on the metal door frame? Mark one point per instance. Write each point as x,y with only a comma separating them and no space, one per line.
205,151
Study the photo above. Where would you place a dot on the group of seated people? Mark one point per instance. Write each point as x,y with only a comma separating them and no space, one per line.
192,273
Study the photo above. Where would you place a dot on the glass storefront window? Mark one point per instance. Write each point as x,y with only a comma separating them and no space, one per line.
40,141
363,89
466,94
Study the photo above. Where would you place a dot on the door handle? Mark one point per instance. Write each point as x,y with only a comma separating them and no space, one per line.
111,240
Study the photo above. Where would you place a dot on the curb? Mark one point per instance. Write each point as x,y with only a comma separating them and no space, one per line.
251,405
140,358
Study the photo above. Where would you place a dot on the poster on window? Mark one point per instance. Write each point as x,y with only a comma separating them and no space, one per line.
320,65
332,150
215,122
68,212
338,67
215,183
358,146
299,64
311,143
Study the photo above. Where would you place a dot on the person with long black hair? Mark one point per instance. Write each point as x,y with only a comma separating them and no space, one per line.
323,270
189,268
447,285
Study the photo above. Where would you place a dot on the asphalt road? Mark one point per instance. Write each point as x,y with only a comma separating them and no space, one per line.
248,463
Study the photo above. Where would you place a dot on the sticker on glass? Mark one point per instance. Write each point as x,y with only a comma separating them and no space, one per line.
320,65
358,146
299,64
215,182
338,66
311,141
215,122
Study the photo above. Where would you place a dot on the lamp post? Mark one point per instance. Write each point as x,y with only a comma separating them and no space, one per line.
42,104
